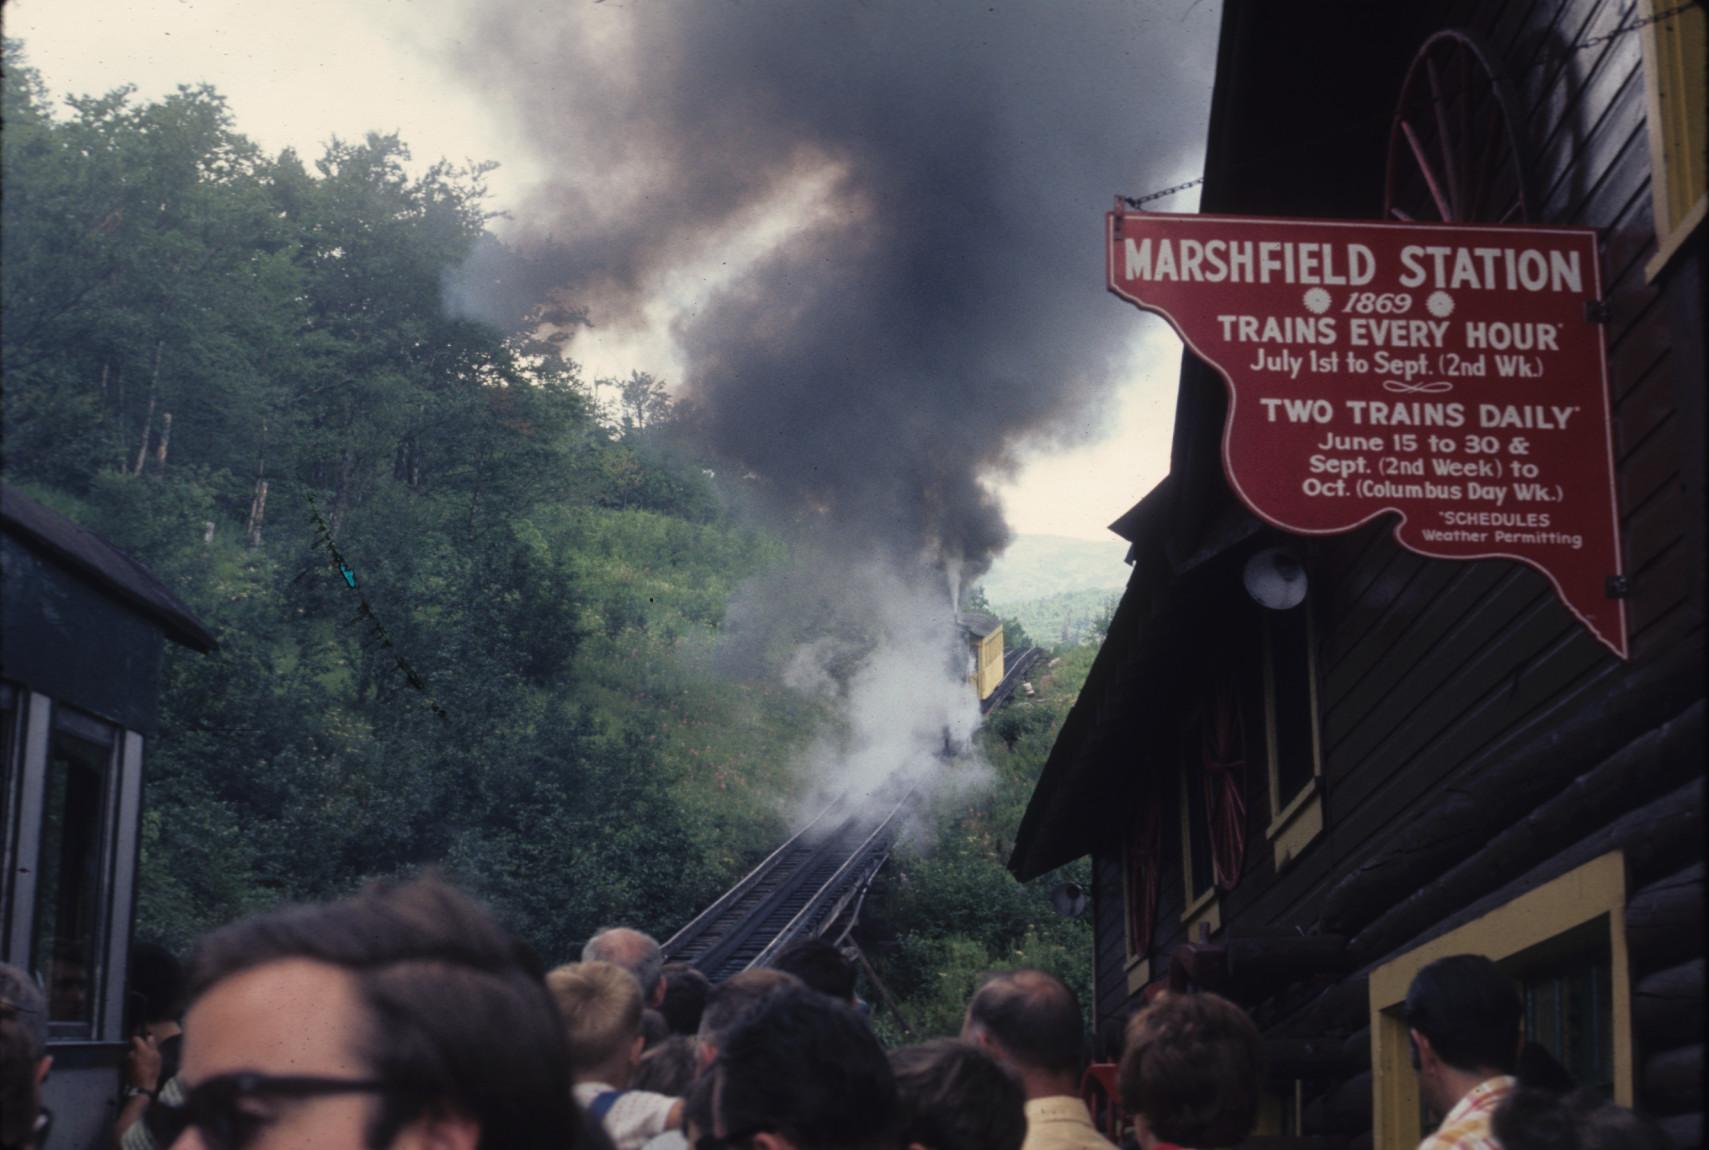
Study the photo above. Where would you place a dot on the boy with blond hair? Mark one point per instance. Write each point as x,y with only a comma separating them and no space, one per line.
601,1007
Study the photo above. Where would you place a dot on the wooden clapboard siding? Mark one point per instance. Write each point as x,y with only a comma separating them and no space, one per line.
1345,553
1431,671
1663,604
1431,651
1284,899
1505,26
1417,656
1652,462
1654,527
1641,360
1602,201
1588,113
1538,70
1110,933
1395,608
1628,243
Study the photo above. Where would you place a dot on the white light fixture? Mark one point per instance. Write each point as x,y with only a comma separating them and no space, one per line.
1069,899
1275,578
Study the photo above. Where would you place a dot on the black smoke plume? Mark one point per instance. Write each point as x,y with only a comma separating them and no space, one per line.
944,304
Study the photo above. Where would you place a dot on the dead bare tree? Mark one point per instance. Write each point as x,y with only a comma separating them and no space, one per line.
148,418
257,512
165,440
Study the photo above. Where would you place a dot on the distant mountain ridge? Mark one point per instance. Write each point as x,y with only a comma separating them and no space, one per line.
1042,566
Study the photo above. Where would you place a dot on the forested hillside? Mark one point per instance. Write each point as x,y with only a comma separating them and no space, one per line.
232,365
466,617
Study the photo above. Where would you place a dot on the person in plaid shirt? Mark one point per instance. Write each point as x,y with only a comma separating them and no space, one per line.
1463,1017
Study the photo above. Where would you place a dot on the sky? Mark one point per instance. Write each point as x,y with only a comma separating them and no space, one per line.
729,168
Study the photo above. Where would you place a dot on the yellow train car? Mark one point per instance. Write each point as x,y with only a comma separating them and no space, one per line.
984,635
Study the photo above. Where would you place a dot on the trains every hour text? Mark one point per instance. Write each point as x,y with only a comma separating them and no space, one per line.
1497,335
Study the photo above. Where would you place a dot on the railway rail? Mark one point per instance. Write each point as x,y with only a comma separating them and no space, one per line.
1018,665
811,886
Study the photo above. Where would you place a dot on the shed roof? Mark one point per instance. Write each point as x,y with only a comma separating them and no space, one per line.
108,568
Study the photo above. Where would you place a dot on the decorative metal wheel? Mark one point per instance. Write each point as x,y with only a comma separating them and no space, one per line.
1454,153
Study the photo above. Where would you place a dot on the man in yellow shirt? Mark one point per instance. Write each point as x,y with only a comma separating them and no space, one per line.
1463,1017
1031,1021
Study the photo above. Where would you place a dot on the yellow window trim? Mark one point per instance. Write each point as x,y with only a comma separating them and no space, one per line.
1290,831
1137,976
1677,123
1668,246
1298,824
1204,909
1269,1115
1270,1111
1578,898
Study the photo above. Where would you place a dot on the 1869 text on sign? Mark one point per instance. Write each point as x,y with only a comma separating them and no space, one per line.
1452,375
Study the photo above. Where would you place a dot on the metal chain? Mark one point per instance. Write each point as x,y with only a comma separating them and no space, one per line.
1644,22
1135,201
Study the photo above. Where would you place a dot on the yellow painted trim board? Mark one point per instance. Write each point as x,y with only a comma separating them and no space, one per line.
1290,835
1137,976
1676,88
1672,244
1583,895
1206,910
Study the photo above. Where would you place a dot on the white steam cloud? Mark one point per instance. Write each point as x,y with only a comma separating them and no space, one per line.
893,665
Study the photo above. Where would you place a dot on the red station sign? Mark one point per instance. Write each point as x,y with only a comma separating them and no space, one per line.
1450,374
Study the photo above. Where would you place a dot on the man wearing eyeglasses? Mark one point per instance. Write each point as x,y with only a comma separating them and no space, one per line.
402,1017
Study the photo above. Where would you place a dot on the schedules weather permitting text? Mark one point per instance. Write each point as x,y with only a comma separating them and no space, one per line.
1452,374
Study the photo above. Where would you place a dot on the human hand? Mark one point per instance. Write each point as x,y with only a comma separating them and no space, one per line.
142,1064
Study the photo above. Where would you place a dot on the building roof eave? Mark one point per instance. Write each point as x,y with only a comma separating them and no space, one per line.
109,569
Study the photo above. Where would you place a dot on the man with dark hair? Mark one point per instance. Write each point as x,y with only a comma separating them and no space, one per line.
1462,1015
729,1003
1190,1072
802,1072
668,1068
1031,1021
821,966
402,1017
654,1029
685,997
734,999
635,952
951,1095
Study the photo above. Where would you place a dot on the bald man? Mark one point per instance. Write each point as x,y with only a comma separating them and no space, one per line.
635,952
1031,1021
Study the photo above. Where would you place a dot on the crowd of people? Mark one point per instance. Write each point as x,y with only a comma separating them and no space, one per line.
407,1017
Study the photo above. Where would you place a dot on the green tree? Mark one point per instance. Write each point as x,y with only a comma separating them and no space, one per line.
511,677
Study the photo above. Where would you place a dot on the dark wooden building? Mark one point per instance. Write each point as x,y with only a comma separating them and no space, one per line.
1298,808
84,628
